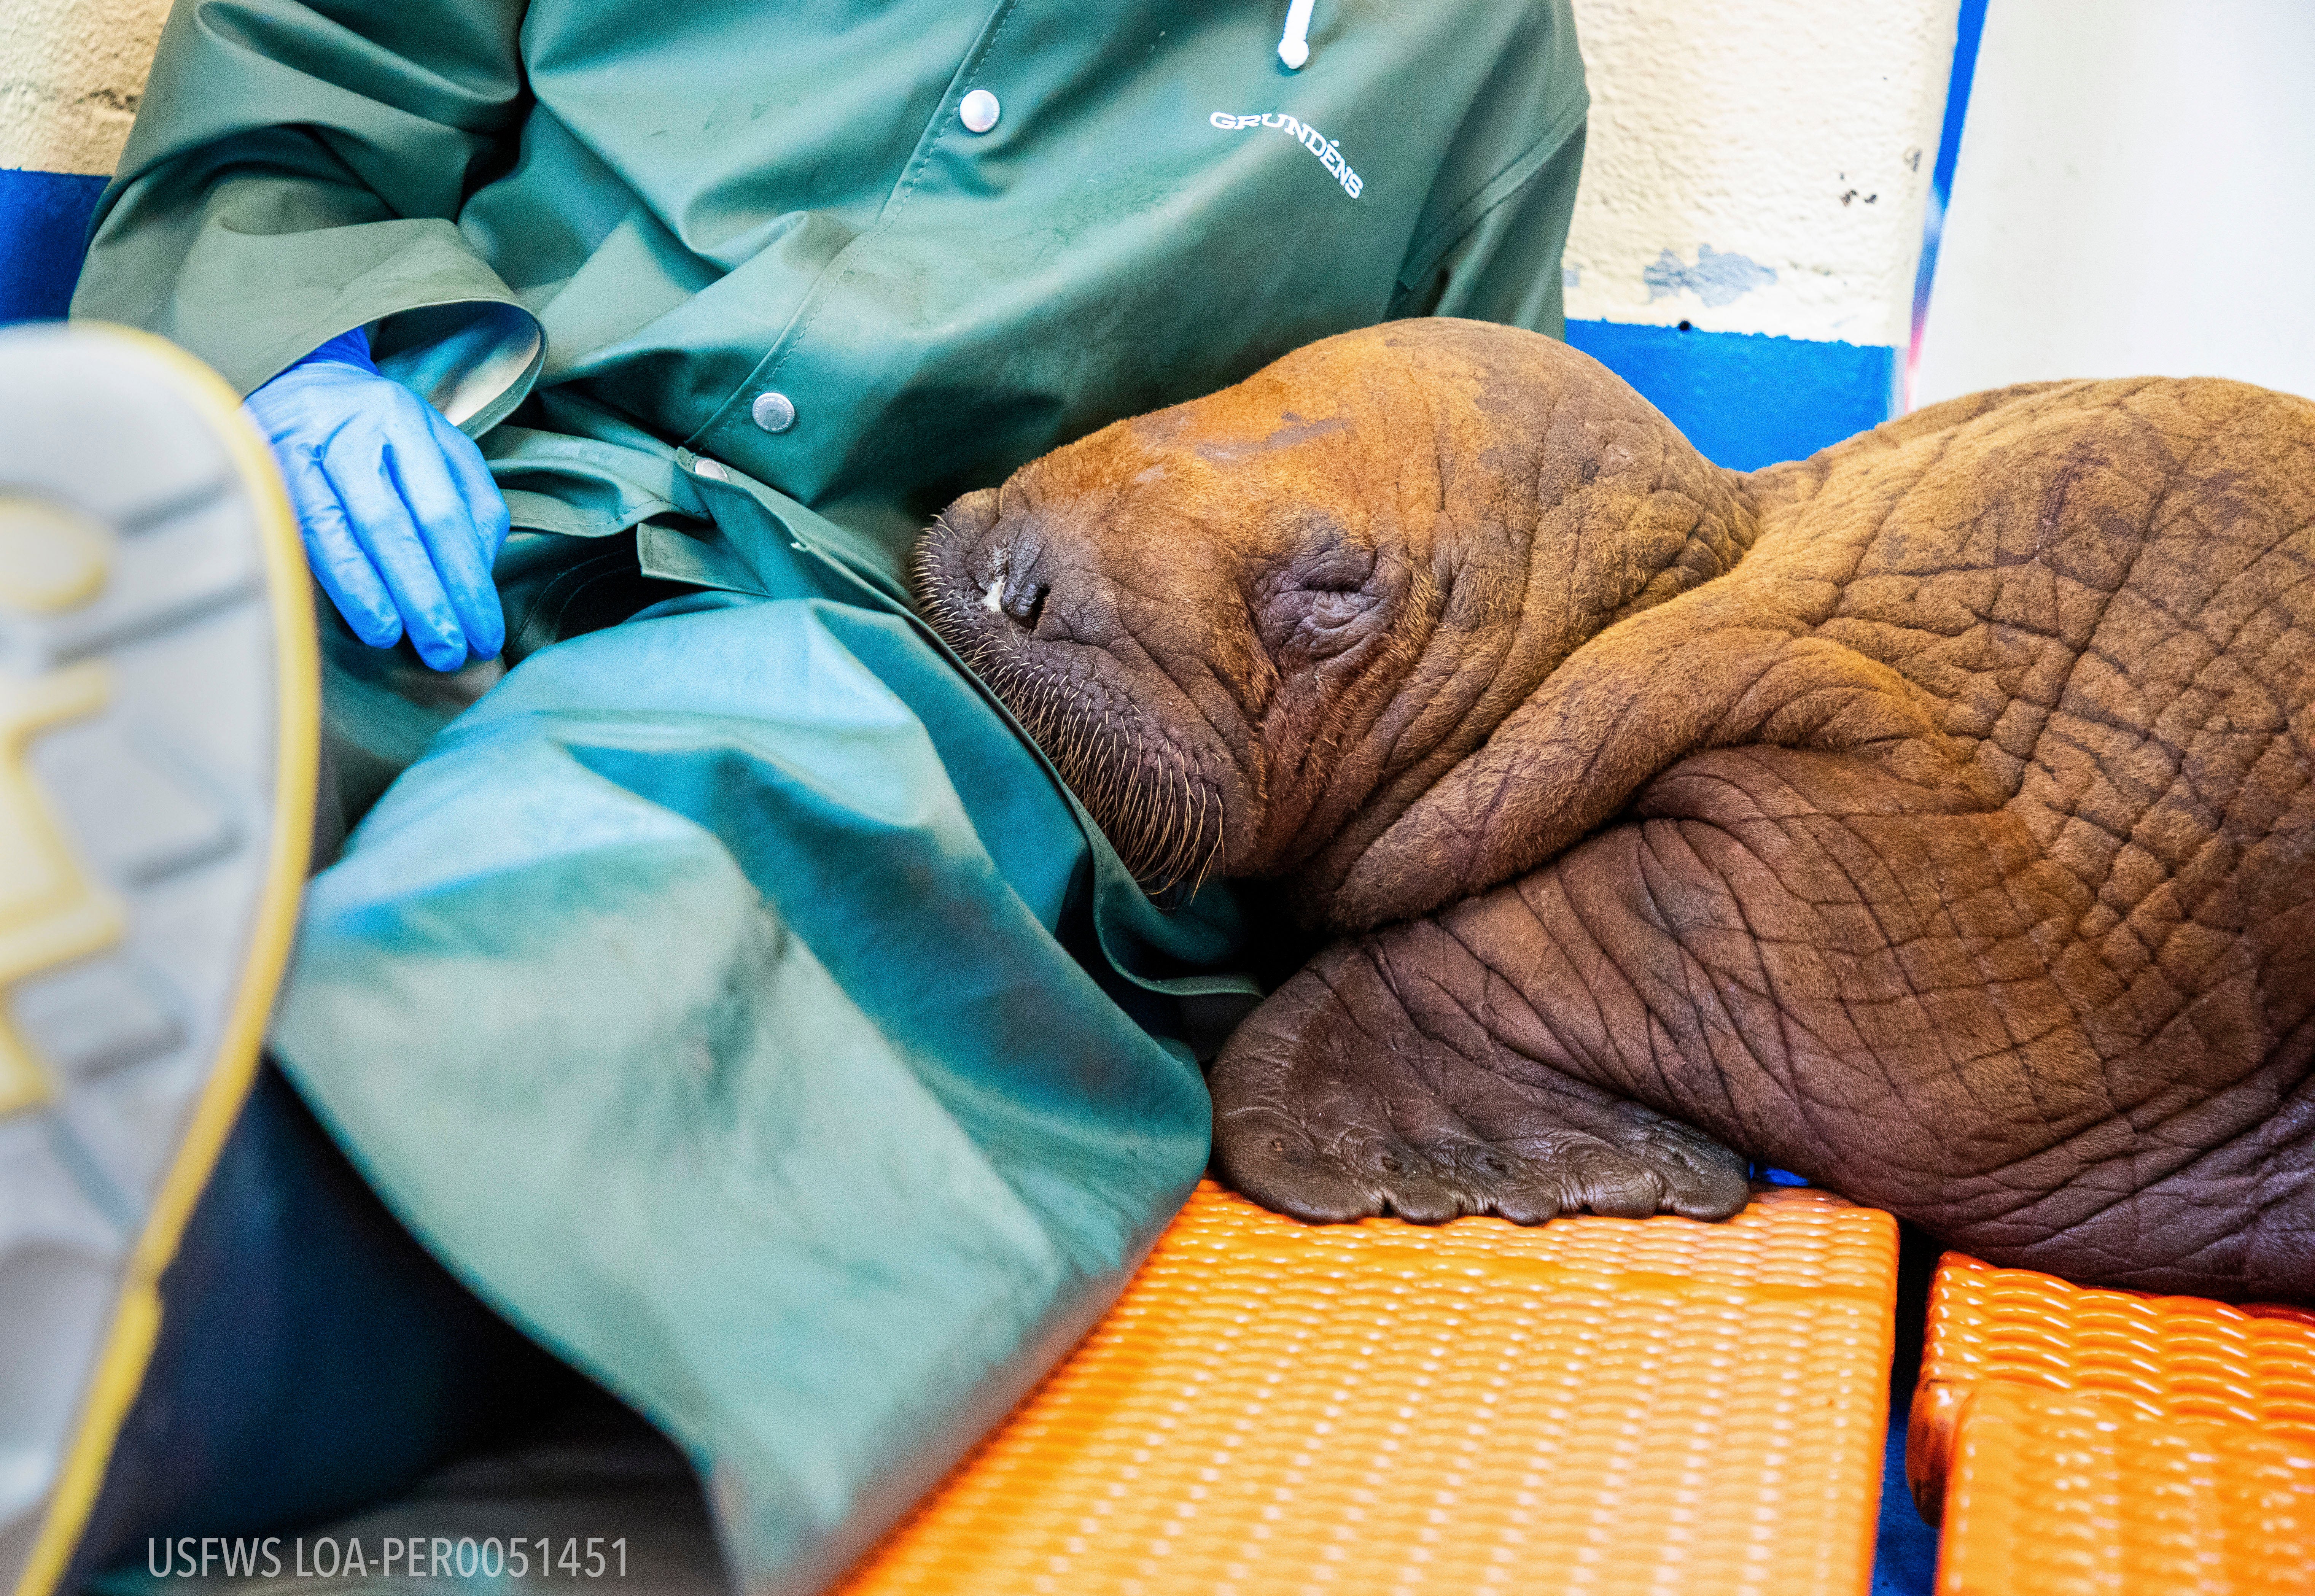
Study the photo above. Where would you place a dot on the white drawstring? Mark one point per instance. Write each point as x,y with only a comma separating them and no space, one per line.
1294,45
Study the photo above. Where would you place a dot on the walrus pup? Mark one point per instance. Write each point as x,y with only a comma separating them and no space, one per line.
1929,817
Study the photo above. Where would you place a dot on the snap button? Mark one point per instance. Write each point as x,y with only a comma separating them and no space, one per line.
713,470
979,110
774,413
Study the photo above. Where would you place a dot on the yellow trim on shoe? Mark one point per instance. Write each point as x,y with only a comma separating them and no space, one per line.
51,911
119,1369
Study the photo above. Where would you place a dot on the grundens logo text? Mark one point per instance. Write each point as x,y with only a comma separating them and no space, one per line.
1329,152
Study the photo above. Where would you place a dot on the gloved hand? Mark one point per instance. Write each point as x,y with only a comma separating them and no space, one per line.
401,518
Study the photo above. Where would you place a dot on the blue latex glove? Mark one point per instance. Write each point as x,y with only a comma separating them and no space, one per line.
401,518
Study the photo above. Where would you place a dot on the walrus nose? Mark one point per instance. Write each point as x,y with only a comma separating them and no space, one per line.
1015,589
1024,602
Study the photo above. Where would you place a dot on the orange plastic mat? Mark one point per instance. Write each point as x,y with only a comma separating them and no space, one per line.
2079,1442
1588,1406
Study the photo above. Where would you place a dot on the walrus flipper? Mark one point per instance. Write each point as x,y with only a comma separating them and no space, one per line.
1835,970
1365,1085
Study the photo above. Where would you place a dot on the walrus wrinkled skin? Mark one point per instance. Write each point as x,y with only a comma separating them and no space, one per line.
1930,817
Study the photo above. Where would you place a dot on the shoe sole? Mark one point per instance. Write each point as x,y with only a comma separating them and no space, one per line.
159,721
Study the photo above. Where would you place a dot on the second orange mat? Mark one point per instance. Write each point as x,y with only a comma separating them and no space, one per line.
1589,1405
2082,1443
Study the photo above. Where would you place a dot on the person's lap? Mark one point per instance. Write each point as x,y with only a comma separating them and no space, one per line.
704,998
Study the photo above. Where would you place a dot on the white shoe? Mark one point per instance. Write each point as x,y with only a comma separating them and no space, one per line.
158,727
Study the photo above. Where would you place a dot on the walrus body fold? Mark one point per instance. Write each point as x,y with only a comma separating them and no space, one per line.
1930,817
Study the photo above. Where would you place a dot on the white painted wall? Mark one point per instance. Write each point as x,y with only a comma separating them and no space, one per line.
2135,194
1758,165
71,73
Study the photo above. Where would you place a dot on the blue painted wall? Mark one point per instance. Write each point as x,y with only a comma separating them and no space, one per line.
43,229
1968,35
1747,399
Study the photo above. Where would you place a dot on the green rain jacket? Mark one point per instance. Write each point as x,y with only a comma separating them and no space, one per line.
732,997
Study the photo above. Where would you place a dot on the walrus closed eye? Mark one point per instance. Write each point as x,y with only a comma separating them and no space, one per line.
1930,817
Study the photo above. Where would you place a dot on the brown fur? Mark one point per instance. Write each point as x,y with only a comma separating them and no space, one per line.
1931,816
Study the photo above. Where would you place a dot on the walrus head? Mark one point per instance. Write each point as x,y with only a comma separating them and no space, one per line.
1252,629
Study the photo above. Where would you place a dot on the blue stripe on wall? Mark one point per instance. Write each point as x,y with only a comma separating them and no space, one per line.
43,229
1969,33
1747,399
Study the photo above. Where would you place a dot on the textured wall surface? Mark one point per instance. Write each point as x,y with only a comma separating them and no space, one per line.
1758,165
1745,244
2135,193
70,75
